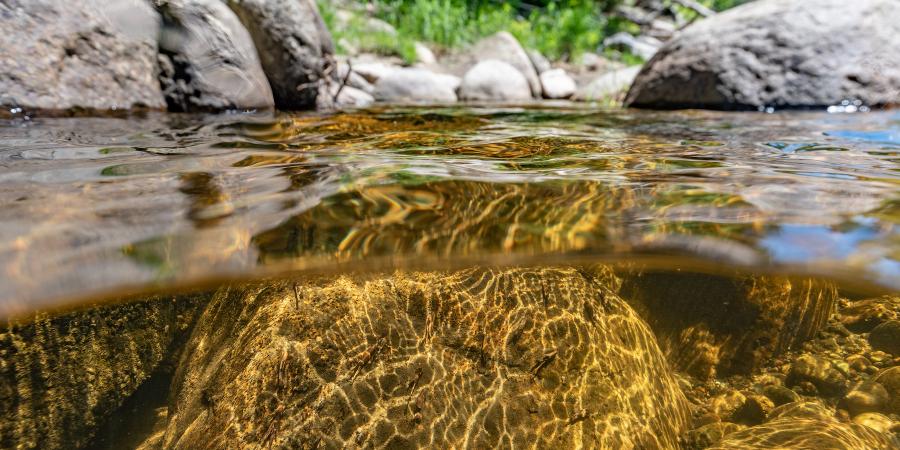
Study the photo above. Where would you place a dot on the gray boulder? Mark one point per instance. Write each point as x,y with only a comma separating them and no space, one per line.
556,83
409,85
504,47
643,46
207,59
494,80
610,85
781,53
295,48
91,54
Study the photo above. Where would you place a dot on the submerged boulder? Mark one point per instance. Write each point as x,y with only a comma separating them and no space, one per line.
780,53
87,55
61,377
807,429
207,59
714,325
477,358
295,48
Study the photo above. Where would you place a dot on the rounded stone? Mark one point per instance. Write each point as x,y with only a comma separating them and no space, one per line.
494,80
754,410
780,395
781,53
822,373
886,337
890,379
868,396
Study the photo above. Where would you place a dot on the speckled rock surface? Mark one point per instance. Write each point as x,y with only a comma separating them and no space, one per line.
780,53
478,358
62,55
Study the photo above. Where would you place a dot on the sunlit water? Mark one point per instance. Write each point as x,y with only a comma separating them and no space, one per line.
99,207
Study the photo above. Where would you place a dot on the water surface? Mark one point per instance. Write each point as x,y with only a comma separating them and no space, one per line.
99,207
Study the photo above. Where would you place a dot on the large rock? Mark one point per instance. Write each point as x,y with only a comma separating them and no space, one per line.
503,46
807,432
781,53
408,85
90,54
546,358
609,86
715,325
61,377
208,60
295,48
494,80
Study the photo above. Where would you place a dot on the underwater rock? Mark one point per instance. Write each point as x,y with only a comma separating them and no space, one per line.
890,379
209,62
807,433
868,396
710,325
708,435
494,80
886,337
60,377
779,53
477,358
828,379
295,48
88,55
862,315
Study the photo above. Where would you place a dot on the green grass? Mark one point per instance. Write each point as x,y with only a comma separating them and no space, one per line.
559,29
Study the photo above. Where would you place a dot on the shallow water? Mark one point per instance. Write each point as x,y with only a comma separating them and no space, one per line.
602,277
100,207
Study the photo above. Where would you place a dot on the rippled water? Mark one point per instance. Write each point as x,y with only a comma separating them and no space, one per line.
96,207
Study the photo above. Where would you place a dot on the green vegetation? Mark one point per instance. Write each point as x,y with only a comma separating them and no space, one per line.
560,29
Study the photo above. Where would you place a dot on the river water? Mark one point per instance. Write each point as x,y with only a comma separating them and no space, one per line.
791,209
100,206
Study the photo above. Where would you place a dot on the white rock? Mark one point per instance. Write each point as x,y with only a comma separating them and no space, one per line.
351,97
503,46
494,80
424,54
414,85
373,71
540,63
608,85
557,84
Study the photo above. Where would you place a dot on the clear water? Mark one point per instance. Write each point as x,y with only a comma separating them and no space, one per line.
102,207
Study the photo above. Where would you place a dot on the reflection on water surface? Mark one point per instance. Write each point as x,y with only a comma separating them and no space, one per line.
99,206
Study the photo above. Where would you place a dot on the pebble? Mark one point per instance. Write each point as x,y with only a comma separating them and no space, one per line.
886,337
890,379
780,395
828,377
868,396
754,410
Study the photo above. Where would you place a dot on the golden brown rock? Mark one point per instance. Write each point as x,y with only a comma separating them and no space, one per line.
715,325
478,358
